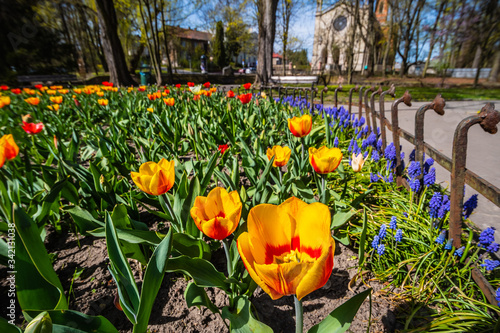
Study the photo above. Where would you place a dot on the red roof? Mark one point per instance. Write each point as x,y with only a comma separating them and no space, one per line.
190,34
276,55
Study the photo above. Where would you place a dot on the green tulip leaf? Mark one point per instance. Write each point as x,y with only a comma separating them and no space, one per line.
197,296
202,271
340,319
70,321
241,318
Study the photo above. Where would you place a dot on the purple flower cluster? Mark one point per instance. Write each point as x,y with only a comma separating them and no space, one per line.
399,235
430,177
375,241
459,252
487,240
415,185
381,249
373,178
336,142
469,206
382,232
435,204
498,296
441,237
390,155
393,224
490,264
448,245
375,156
414,169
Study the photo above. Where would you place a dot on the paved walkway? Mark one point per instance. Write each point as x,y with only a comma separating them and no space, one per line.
483,151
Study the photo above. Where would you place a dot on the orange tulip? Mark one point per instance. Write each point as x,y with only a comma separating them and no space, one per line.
288,249
8,148
218,214
230,94
102,102
32,100
325,160
155,178
281,155
77,91
300,126
56,99
50,92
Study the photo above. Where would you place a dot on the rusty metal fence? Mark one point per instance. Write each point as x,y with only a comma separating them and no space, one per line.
488,119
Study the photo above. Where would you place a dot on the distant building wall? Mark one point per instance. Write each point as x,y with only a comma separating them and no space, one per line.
469,73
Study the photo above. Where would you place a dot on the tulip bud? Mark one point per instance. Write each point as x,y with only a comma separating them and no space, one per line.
40,324
105,186
26,118
229,106
190,130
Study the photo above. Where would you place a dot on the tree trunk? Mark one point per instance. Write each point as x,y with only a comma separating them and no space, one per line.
496,67
112,46
167,48
267,27
371,38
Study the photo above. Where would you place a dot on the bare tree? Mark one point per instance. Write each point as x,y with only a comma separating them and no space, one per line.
442,8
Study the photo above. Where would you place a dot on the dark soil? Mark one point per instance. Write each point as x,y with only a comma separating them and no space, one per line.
93,293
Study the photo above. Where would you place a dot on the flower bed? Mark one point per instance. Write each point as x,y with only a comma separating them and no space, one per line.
241,197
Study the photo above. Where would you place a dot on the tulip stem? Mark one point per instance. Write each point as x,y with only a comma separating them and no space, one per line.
299,322
228,257
303,148
323,189
174,217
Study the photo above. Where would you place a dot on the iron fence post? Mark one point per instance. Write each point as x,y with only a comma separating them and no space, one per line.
339,88
367,107
488,118
437,105
391,91
373,111
360,109
406,98
350,97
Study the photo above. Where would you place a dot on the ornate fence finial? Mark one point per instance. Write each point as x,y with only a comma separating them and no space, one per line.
391,91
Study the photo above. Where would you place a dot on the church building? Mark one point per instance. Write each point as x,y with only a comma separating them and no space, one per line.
332,32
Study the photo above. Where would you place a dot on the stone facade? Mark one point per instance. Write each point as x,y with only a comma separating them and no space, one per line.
332,30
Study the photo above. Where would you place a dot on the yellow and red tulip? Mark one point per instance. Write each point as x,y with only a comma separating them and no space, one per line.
54,107
218,214
32,100
288,249
56,99
300,126
324,160
8,148
102,102
281,155
169,101
155,178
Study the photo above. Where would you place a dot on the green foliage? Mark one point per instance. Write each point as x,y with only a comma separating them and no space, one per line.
219,50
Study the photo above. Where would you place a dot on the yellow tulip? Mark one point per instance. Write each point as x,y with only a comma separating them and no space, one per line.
77,91
63,91
51,92
325,160
56,99
169,101
150,109
288,249
281,155
155,178
4,100
54,107
99,93
218,214
300,126
102,102
357,162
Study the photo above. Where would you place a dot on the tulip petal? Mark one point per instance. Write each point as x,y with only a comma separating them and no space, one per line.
318,274
218,228
141,181
272,239
245,249
283,278
313,227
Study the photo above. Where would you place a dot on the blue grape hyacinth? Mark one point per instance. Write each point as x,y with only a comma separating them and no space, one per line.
487,237
441,237
435,204
375,241
430,177
414,170
490,264
381,249
383,231
399,235
393,224
493,247
448,245
415,185
469,206
459,252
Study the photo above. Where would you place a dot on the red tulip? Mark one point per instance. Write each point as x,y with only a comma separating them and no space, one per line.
245,98
4,87
247,86
190,84
223,148
32,128
16,91
206,84
178,85
230,94
39,86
